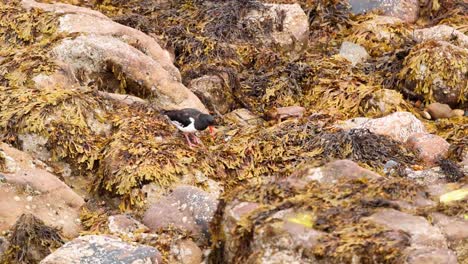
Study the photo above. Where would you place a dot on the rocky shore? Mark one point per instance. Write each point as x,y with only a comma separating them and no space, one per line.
341,131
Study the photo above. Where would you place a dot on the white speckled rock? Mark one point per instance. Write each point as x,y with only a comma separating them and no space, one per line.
188,208
125,225
103,250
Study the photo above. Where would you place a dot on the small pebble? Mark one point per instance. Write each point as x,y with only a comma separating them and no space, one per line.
426,115
17,198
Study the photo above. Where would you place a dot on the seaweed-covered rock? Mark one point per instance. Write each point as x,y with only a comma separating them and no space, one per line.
31,189
436,71
380,34
213,92
353,53
292,27
102,249
430,147
282,221
406,10
187,208
384,102
116,57
31,240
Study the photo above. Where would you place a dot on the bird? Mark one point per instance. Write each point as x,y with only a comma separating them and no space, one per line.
189,121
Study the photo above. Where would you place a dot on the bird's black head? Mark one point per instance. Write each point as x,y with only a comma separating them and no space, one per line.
207,120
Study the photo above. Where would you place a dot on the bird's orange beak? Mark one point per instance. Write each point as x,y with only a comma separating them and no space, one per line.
212,132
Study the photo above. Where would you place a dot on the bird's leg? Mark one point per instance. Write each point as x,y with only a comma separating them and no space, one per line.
197,139
187,137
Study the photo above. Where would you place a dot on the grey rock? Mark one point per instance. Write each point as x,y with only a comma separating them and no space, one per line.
94,249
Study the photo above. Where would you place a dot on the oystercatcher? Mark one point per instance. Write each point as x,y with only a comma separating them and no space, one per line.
189,121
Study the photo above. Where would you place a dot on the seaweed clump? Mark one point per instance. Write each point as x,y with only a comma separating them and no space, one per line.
31,241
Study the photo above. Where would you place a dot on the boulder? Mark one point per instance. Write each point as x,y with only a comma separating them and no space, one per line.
102,249
331,173
243,117
112,55
455,229
431,255
438,111
186,252
28,188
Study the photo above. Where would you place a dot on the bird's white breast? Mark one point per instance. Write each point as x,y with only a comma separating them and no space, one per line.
188,129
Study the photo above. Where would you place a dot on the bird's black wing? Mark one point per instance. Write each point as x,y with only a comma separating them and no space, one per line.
182,116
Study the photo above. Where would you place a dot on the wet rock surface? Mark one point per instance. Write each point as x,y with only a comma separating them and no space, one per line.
102,249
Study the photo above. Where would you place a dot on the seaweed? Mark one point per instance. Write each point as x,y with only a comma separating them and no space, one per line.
451,170
31,241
